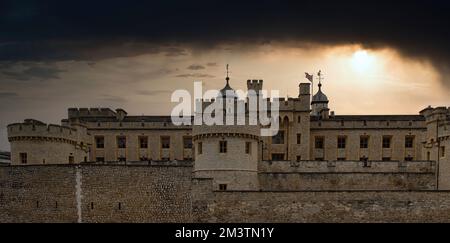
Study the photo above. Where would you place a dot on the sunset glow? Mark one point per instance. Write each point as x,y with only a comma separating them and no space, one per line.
362,61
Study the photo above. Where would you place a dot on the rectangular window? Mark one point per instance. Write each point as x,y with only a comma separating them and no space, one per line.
442,153
386,159
223,187
71,160
299,119
165,142
248,147
299,138
121,159
143,142
387,141
277,157
341,158
23,158
299,158
222,146
364,158
341,142
100,159
121,142
99,142
409,158
409,141
319,142
364,142
187,142
319,158
200,148
278,138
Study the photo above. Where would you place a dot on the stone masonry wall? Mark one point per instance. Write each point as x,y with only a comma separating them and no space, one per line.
346,181
91,193
320,206
143,193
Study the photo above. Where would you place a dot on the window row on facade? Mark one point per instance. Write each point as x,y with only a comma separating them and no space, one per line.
143,141
319,142
223,147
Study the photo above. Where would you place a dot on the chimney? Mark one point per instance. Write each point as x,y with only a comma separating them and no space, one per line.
120,114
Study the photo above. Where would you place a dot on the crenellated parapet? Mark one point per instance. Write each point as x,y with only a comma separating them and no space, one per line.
86,112
255,85
41,131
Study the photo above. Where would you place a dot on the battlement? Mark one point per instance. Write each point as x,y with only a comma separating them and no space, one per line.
304,89
441,113
37,129
90,112
254,84
348,166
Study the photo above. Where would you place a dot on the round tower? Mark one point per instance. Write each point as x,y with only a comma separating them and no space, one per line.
227,153
34,142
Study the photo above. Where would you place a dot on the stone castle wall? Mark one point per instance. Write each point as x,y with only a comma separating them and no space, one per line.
347,175
295,181
347,166
125,193
351,206
91,193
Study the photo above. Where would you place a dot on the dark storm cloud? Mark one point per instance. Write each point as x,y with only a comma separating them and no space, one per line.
59,30
152,92
195,67
8,95
34,72
195,75
175,51
113,98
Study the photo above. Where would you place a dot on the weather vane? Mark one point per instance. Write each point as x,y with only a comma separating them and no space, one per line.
320,78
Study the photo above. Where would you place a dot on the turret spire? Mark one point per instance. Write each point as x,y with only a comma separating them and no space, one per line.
227,78
223,92
320,78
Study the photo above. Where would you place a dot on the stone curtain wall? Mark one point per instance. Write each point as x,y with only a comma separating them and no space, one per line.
64,193
120,193
296,181
323,206
37,194
145,194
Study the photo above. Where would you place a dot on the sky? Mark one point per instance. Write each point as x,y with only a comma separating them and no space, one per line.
377,57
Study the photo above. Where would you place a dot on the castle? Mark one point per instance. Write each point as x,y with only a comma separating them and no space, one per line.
316,157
